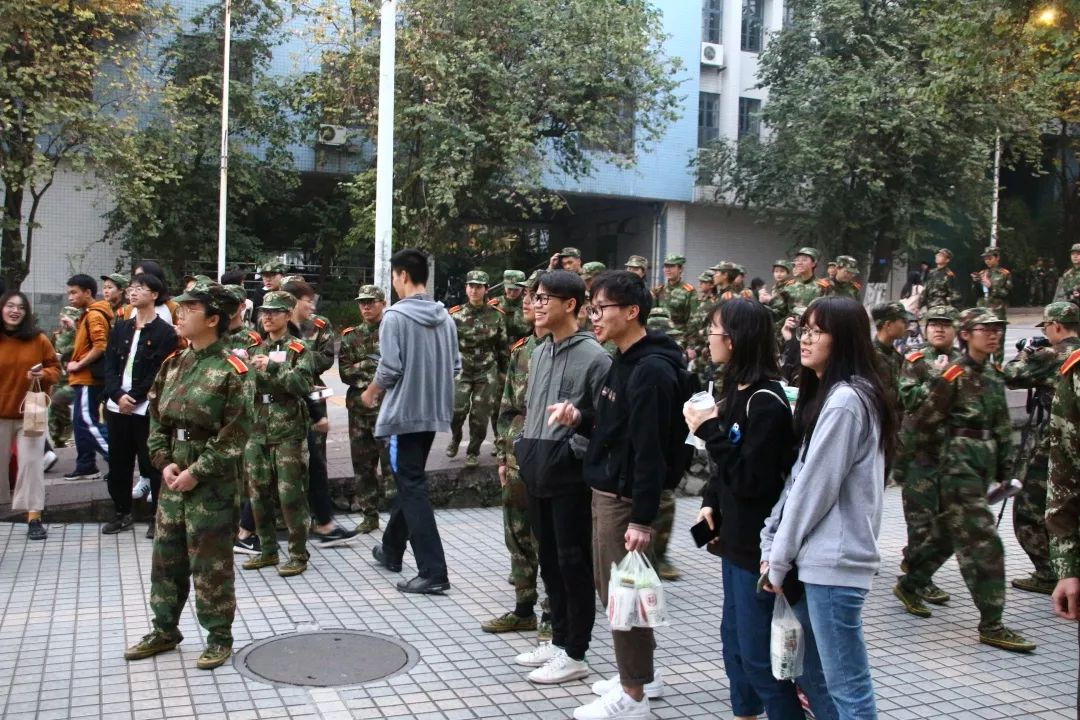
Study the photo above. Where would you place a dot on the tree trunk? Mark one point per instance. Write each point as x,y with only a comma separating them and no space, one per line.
13,268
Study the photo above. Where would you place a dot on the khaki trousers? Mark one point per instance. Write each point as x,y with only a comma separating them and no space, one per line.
30,482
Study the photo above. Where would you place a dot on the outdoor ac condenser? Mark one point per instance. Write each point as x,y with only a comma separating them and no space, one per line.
332,135
712,54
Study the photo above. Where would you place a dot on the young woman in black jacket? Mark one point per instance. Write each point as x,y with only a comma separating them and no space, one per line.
751,440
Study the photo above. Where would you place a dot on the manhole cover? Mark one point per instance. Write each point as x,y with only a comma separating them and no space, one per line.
325,658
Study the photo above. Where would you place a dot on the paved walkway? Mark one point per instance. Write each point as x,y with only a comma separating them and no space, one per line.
71,604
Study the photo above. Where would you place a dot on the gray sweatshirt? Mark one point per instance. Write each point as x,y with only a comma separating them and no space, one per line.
832,500
419,359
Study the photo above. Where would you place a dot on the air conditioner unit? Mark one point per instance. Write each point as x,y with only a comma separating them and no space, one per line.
712,54
331,135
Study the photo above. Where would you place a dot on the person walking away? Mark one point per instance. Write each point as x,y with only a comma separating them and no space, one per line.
86,374
827,521
26,357
136,350
418,362
200,413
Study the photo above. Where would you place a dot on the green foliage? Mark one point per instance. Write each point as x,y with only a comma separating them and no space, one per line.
882,119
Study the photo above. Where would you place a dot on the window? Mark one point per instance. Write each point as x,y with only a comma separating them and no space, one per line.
789,13
617,136
708,118
712,20
749,118
753,25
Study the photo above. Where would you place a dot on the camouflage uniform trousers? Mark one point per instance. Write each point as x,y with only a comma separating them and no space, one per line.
496,406
282,466
662,525
518,535
474,396
193,542
920,494
967,526
367,454
60,429
1029,518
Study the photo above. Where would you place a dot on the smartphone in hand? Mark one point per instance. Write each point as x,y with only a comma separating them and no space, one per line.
702,533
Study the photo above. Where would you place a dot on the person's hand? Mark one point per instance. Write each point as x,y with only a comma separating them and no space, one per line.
322,425
941,362
184,482
694,418
502,475
787,330
370,397
763,568
554,263
706,514
73,366
259,362
35,374
1066,599
564,413
126,404
67,323
691,354
636,539
986,280
764,296
168,475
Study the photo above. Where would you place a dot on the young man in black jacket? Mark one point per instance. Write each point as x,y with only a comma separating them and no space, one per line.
136,349
636,449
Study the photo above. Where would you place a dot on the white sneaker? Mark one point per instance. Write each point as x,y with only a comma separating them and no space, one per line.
615,704
559,669
538,656
653,690
142,488
49,460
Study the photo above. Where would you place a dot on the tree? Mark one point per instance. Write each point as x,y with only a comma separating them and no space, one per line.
69,81
165,178
490,95
882,119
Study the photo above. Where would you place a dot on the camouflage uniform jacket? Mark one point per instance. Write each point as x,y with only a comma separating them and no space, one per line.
664,325
917,374
481,338
736,290
240,341
678,298
318,334
1039,369
995,297
968,400
845,289
940,289
1063,484
517,326
204,393
358,359
286,386
696,336
797,292
511,419
889,363
1067,286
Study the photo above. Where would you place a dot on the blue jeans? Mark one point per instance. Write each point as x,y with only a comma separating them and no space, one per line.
744,632
831,617
91,436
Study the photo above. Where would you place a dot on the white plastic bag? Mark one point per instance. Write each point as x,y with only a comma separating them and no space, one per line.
652,606
786,643
635,594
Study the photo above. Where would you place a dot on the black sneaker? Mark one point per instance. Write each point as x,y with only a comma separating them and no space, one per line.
36,531
150,531
118,524
247,546
76,475
337,536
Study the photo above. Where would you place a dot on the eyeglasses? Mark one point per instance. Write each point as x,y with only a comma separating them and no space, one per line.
990,330
712,334
542,299
596,312
809,335
15,306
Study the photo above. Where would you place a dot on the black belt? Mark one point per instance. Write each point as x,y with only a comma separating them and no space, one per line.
191,434
265,399
971,433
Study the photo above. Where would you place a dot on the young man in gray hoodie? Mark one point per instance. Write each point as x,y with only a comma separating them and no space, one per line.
419,359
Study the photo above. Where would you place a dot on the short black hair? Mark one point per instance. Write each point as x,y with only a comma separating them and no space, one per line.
153,284
150,267
565,284
299,289
626,289
413,262
27,328
233,277
84,282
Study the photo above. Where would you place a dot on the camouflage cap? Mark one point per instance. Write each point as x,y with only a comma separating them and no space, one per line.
513,278
831,263
71,312
1062,312
886,312
705,277
979,316
278,300
272,267
234,296
659,312
799,310
477,277
722,266
199,279
533,277
637,261
1075,248
592,269
371,292
210,293
991,250
120,281
570,252
942,312
784,263
292,278
846,262
946,252
809,252
675,260
739,269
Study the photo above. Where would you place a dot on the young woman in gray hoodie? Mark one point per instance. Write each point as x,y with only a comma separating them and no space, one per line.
827,521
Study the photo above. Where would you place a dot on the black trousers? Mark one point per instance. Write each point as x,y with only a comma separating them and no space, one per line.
318,482
412,519
563,529
131,433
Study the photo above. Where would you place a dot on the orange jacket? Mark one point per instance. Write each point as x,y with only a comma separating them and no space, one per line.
91,332
16,357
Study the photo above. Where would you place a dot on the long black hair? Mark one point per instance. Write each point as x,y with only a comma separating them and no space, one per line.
27,328
851,360
749,325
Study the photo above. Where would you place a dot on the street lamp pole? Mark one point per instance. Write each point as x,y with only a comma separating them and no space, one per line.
384,170
223,189
997,191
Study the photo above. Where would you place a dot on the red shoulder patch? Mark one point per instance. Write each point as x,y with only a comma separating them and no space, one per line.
1004,271
297,347
688,287
174,353
952,372
237,364
857,284
319,323
454,309
950,273
493,301
915,356
524,340
347,330
823,284
498,309
256,338
1070,362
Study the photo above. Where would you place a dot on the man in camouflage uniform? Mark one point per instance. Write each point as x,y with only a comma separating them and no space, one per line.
60,429
1038,367
358,360
1063,489
844,283
200,414
940,287
660,321
589,271
732,278
482,344
674,295
803,289
782,270
919,451
830,270
1069,282
276,454
569,258
1036,279
638,265
993,284
968,399
516,326
696,339
890,323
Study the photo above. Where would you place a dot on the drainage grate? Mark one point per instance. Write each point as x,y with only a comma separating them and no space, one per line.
327,658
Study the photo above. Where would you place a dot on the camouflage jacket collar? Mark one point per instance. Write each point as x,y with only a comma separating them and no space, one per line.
215,348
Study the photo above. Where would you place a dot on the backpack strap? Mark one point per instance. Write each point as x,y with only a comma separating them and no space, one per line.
767,392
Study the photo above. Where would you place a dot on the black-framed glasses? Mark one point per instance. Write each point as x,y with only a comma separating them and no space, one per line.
596,312
809,335
991,330
542,299
714,334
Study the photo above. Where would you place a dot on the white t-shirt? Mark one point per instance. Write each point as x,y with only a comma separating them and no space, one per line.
125,381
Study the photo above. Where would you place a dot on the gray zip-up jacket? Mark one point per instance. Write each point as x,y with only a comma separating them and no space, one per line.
550,455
